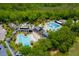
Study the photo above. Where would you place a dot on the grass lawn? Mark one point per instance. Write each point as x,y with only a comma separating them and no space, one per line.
8,52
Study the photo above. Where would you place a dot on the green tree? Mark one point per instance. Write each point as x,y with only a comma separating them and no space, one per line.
62,39
41,48
75,28
13,46
25,50
69,23
4,44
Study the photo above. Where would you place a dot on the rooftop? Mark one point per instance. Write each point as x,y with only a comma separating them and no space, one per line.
2,51
2,33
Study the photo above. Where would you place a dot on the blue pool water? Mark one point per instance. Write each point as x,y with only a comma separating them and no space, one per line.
53,26
25,40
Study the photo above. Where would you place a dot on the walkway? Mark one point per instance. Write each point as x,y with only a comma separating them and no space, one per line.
9,48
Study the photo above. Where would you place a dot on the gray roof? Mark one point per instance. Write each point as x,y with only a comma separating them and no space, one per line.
12,25
2,33
2,51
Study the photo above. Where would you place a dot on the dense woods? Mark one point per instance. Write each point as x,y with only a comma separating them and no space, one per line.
19,13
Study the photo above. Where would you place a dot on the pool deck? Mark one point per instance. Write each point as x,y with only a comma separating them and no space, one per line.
36,36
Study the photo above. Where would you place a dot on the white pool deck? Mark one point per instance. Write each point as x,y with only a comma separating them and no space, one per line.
2,33
36,36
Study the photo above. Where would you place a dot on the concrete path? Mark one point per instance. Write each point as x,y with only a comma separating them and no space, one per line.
7,44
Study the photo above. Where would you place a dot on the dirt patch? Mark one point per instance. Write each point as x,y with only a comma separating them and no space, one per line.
53,52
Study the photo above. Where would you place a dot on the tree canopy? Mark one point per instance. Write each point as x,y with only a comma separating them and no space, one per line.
32,12
62,39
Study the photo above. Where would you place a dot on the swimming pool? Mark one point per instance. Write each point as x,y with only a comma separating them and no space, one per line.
25,40
52,26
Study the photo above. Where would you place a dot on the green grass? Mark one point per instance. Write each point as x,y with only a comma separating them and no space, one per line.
8,52
74,51
4,44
